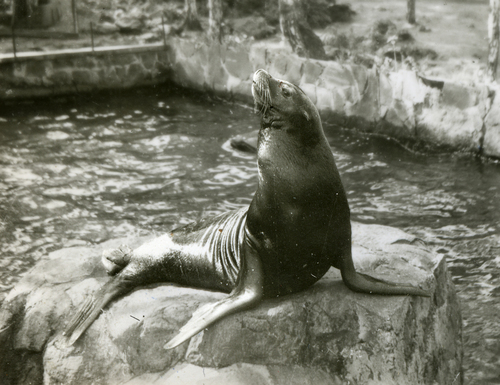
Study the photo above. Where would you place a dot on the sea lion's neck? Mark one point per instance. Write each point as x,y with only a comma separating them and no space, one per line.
292,173
287,154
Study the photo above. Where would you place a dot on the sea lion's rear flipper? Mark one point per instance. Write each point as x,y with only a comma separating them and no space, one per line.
92,308
247,293
115,260
363,283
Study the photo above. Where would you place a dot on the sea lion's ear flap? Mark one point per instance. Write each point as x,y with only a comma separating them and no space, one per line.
306,115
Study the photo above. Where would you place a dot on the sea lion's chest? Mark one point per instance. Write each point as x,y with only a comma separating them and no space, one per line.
299,215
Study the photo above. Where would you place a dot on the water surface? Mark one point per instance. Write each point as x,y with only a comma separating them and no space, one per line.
83,170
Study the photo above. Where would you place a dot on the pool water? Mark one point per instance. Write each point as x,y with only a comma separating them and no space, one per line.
89,168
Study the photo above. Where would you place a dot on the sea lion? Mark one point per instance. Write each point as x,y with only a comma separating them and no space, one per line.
296,227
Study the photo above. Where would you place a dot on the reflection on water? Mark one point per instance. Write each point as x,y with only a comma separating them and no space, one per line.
101,167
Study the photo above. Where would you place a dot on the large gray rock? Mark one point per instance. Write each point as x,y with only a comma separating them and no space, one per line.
491,142
324,335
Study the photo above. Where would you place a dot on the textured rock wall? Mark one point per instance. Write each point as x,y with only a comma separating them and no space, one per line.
82,71
324,335
399,104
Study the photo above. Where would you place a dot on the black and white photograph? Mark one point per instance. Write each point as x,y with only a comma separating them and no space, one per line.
259,192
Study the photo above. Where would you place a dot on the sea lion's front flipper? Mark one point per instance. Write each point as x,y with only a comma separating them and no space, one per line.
363,283
247,293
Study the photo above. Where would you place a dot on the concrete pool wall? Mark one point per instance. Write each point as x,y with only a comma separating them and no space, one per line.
400,104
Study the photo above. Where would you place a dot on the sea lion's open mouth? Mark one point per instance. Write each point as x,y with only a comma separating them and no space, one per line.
260,91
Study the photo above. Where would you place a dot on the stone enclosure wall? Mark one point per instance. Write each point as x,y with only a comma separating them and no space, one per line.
82,70
400,104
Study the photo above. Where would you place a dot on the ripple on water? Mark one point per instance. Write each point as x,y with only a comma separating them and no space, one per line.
52,205
16,175
159,143
228,175
70,191
364,166
56,126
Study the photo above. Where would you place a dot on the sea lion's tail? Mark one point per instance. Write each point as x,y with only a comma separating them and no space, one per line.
363,283
91,309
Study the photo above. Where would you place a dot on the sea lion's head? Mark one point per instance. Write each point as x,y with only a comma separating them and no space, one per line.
284,106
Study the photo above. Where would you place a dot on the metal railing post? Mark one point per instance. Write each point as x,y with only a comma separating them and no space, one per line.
163,29
92,35
14,41
75,19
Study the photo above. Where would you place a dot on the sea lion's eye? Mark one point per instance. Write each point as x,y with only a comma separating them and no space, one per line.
286,92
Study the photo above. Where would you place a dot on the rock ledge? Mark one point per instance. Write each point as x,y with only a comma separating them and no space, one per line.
325,335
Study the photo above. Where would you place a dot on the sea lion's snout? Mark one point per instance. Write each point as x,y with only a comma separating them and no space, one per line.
260,90
260,74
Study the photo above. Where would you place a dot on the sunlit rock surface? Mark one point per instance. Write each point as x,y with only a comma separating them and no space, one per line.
491,140
324,335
